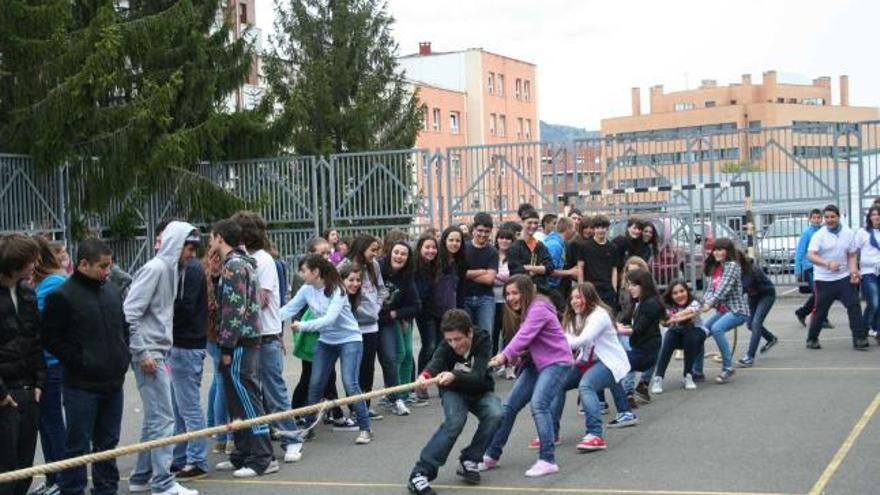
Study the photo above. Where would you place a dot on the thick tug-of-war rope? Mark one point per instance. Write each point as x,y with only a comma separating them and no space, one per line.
106,455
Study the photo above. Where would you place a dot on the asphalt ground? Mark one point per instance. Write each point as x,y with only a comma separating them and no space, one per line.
799,422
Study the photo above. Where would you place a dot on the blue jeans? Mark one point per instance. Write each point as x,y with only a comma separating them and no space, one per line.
154,466
759,308
52,421
217,412
94,421
349,354
482,311
719,324
186,382
629,381
487,409
589,384
871,291
275,394
640,359
539,388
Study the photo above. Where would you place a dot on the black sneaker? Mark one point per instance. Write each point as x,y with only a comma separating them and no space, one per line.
769,345
468,472
801,318
698,377
419,485
176,468
190,472
642,392
861,344
813,344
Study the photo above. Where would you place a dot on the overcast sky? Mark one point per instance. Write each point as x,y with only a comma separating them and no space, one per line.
590,53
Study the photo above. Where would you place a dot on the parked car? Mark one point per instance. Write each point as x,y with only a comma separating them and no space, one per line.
777,245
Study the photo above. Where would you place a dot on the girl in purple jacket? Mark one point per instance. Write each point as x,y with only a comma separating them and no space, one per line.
538,349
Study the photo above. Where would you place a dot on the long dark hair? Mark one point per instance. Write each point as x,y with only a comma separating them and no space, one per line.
649,291
406,270
667,296
48,263
359,246
592,303
391,239
733,254
655,243
445,256
326,271
528,293
870,226
425,268
344,271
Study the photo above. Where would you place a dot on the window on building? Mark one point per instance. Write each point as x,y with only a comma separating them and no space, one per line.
454,119
733,102
530,166
455,163
522,199
527,90
813,101
756,152
242,13
493,121
502,125
517,88
683,106
499,85
435,115
792,100
490,83
425,121
520,130
528,128
501,202
710,104
780,100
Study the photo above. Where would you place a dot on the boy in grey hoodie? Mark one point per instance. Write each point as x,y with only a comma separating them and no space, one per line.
149,310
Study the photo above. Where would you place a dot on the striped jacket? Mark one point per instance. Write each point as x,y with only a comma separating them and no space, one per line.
729,291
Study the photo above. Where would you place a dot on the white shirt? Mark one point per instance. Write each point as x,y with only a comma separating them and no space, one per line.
869,257
832,247
600,336
267,275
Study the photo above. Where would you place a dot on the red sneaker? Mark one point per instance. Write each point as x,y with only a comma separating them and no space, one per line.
535,443
590,443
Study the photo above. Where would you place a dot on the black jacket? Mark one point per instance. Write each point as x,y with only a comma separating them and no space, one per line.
756,284
627,248
472,375
21,354
646,324
84,327
403,295
519,255
191,307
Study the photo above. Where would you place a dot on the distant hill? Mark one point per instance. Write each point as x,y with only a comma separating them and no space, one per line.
555,132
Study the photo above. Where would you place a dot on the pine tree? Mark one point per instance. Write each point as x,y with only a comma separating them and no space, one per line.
132,94
334,73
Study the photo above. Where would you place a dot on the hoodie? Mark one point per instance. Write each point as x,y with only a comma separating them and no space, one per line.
191,307
149,306
372,296
238,303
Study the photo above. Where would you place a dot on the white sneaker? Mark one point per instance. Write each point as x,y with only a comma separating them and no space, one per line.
364,437
689,382
136,488
657,385
293,452
247,472
179,489
224,466
230,446
399,408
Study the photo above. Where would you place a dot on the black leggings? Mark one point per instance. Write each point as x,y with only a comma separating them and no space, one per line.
689,338
368,362
301,392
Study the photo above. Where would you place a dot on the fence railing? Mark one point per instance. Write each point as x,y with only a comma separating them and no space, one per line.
790,169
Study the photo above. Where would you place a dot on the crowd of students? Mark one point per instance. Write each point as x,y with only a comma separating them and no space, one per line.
554,308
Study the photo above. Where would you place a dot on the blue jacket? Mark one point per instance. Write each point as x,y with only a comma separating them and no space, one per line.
801,262
556,246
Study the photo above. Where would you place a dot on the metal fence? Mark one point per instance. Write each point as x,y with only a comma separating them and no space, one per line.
790,169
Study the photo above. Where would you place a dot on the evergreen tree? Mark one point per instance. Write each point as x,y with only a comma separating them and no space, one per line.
133,94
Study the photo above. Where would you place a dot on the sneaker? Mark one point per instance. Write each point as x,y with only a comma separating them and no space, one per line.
293,452
399,408
487,464
725,376
535,443
813,344
873,333
190,472
410,399
385,402
689,382
828,325
801,318
642,393
469,472
247,472
623,420
657,385
769,345
510,373
591,443
502,371
746,362
40,489
422,399
138,488
175,468
698,377
678,355
345,424
542,468
861,344
364,437
224,466
631,399
374,416
418,485
230,447
309,435
52,490
178,489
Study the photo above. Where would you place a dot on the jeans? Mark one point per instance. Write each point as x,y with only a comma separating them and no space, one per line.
186,382
430,336
300,397
52,421
640,359
241,377
94,421
18,434
719,324
482,311
388,360
275,394
688,338
871,291
596,378
154,466
759,308
569,382
540,388
405,353
368,362
349,354
456,406
629,381
497,329
838,290
217,412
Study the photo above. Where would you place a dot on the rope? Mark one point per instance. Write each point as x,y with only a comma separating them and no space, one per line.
107,455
